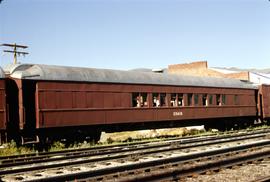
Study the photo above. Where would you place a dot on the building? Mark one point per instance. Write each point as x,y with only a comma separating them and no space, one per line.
200,68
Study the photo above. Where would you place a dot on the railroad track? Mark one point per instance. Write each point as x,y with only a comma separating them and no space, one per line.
92,152
252,170
99,166
263,179
97,149
118,147
212,163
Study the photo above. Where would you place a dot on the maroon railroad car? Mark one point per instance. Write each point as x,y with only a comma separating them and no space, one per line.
3,119
264,102
57,101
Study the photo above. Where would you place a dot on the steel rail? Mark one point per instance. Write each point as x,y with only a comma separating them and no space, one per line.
213,165
61,155
101,173
6,159
23,156
262,179
119,154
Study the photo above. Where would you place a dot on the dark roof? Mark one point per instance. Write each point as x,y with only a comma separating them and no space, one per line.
65,73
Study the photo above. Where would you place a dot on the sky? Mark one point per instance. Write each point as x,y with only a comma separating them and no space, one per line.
128,34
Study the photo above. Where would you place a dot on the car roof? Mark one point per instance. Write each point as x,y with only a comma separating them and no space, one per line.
2,73
67,73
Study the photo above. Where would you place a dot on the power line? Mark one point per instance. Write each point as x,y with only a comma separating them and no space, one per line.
15,51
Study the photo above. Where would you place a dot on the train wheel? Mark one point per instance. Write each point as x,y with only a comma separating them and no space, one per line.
94,136
3,137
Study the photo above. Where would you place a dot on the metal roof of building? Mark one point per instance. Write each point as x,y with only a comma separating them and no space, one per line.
65,73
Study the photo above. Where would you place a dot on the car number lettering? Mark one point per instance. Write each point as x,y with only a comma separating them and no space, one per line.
179,113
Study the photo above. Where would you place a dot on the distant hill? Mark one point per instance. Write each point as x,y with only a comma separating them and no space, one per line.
165,70
266,71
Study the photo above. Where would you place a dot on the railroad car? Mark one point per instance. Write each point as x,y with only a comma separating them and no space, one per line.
264,102
58,102
3,114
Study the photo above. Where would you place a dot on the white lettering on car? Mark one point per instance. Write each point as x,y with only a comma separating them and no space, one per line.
177,113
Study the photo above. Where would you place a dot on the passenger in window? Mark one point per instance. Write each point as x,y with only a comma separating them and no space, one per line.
179,103
145,104
173,100
162,99
141,101
138,101
156,102
218,100
175,103
144,101
205,101
172,103
180,100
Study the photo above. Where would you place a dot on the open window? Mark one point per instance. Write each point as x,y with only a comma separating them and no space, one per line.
144,100
204,100
139,99
180,100
196,99
223,99
190,98
163,100
174,100
218,100
159,100
135,100
211,97
236,100
155,100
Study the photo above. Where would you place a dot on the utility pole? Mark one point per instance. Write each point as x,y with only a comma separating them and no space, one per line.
15,51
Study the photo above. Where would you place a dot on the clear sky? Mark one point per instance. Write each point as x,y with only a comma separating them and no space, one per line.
127,34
